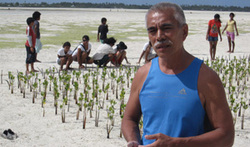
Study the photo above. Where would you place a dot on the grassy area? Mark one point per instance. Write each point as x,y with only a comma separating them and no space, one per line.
70,32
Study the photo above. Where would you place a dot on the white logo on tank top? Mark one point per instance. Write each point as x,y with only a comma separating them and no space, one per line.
182,91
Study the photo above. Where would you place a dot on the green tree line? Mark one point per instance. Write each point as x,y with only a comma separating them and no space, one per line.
121,5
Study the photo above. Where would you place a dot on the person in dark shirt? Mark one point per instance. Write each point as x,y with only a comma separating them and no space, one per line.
102,30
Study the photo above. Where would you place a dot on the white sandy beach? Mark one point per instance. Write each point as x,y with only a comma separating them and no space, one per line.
26,118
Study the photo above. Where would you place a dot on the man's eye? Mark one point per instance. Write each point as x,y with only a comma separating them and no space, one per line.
151,30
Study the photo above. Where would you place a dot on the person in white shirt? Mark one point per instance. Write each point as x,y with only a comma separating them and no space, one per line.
147,53
64,56
81,53
104,52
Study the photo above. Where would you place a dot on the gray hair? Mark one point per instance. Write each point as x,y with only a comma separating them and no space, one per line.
163,6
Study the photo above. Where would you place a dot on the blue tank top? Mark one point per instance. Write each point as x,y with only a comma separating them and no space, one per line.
170,104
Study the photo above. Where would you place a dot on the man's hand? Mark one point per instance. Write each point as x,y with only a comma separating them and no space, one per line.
132,144
161,140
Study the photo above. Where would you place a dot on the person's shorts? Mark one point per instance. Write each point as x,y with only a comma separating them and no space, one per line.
87,59
102,41
104,59
31,56
231,35
38,45
210,38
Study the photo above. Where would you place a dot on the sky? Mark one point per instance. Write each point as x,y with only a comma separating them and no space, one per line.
240,3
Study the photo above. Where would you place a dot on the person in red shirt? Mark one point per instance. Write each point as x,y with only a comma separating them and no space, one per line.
30,45
212,34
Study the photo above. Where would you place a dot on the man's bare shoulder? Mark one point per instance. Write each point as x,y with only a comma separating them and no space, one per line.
141,75
143,71
207,74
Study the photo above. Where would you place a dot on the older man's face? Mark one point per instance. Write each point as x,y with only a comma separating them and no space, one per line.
165,33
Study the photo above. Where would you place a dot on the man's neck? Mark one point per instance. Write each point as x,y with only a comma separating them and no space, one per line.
175,64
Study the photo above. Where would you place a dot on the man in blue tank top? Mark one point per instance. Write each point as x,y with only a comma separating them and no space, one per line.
175,92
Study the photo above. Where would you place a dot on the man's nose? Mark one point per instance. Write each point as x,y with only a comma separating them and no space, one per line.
160,35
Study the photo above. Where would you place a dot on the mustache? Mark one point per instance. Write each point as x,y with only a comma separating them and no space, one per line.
164,42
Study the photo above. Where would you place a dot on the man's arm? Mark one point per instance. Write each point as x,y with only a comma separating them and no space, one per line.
133,113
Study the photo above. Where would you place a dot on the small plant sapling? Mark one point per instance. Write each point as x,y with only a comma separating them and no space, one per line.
110,121
45,86
245,106
97,113
104,73
62,106
11,82
122,95
43,106
123,106
76,86
79,106
35,85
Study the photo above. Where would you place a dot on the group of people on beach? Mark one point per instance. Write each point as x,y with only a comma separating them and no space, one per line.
214,30
105,53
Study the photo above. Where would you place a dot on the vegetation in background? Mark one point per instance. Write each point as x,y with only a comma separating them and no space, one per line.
121,5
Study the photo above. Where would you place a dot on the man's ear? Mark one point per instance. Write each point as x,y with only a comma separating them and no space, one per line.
185,31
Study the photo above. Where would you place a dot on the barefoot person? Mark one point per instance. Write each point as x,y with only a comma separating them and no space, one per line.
30,45
120,54
176,91
36,28
64,56
81,53
230,26
102,30
212,34
104,52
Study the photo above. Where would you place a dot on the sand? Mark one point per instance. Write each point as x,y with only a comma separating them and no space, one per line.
26,118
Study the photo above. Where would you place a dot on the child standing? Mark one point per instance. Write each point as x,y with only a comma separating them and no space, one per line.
36,28
30,45
212,34
102,30
231,24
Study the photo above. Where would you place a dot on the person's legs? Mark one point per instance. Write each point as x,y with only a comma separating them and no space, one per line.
233,46
211,49
232,39
38,47
32,67
229,43
68,62
214,49
27,68
121,58
62,62
88,60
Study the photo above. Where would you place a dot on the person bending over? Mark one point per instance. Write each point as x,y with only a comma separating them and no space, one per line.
120,54
64,56
82,51
104,52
